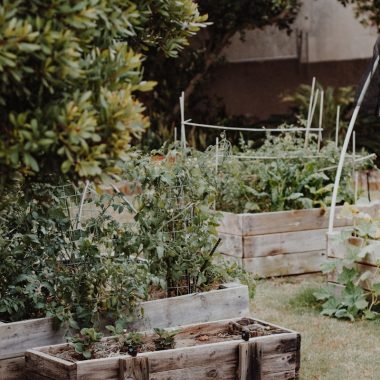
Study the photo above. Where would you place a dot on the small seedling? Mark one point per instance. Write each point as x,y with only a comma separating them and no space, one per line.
165,340
131,341
85,342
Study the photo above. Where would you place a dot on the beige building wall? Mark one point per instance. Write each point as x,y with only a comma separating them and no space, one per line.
324,31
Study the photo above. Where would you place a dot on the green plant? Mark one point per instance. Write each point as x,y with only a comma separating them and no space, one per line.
165,340
130,340
224,271
367,11
51,267
86,342
354,301
76,73
279,175
175,230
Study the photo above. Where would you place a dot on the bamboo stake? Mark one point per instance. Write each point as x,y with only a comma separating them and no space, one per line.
320,121
175,134
311,100
353,165
183,132
308,127
337,126
346,142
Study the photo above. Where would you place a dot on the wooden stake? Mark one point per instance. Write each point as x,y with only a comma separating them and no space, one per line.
353,165
311,100
183,132
337,126
308,127
320,121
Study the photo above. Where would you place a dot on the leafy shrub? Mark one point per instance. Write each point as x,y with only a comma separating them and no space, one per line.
175,231
353,301
76,74
276,182
50,268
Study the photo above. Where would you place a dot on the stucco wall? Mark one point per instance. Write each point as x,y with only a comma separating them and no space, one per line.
326,31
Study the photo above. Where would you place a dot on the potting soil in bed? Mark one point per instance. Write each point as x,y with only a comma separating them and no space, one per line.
186,337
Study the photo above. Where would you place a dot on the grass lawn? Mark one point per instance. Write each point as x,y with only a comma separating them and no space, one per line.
331,349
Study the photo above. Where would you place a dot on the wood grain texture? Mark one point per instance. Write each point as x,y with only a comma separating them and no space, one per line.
17,337
285,264
198,307
134,368
246,360
231,245
231,223
12,369
289,221
251,224
286,242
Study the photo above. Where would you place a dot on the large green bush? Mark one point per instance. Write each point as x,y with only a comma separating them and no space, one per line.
71,74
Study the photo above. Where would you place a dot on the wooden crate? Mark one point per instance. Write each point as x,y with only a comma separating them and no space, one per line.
274,356
231,300
280,243
337,249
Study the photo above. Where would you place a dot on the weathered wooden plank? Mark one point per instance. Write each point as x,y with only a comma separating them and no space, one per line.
246,360
193,356
194,308
219,371
134,368
12,369
279,344
285,264
296,220
289,221
286,242
52,367
100,369
231,245
277,363
231,224
17,337
287,375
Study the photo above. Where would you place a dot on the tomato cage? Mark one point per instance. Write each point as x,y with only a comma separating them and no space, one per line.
86,210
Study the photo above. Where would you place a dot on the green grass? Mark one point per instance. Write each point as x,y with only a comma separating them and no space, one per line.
331,349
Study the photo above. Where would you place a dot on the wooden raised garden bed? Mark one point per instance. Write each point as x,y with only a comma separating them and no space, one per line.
230,301
279,243
213,350
338,249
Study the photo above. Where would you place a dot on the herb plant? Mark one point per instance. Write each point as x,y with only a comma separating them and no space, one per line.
86,342
165,340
